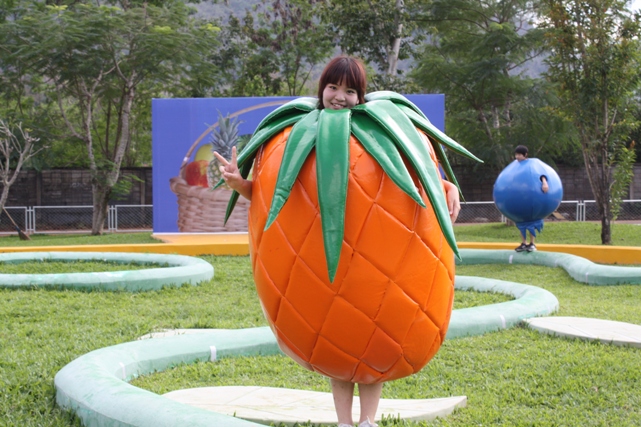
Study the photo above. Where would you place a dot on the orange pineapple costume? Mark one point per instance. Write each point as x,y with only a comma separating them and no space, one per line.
381,309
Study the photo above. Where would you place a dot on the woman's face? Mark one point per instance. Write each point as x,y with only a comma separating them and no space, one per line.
339,96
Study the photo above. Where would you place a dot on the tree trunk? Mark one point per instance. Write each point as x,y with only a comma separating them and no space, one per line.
4,196
101,195
599,173
103,181
606,233
395,48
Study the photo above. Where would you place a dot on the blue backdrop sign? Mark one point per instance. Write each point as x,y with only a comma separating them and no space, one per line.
181,126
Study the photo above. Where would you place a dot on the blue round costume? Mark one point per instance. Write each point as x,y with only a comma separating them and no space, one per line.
518,195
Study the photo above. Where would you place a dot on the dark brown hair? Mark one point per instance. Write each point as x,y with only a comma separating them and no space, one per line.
521,149
344,70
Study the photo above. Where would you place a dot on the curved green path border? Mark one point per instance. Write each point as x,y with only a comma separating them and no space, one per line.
580,269
94,385
529,301
182,270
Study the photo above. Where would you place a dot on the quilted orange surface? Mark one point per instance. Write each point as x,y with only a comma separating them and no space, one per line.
387,311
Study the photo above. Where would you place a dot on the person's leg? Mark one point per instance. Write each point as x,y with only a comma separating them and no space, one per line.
343,393
369,396
523,245
531,247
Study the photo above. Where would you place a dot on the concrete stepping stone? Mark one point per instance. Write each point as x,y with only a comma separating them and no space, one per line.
606,331
281,405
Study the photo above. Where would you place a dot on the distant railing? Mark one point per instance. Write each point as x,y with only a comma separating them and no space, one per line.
69,219
66,219
570,210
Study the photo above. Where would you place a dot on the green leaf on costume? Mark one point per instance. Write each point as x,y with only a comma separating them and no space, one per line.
388,126
299,144
434,132
332,170
416,151
267,132
379,145
396,98
298,105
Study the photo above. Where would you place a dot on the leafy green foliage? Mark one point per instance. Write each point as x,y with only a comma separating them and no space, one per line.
622,177
595,62
381,32
94,59
475,56
273,50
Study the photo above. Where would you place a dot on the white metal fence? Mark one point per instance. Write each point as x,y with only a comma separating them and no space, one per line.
570,210
66,219
59,219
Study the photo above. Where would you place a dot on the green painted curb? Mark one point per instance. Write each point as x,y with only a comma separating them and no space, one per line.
580,269
530,301
182,270
94,385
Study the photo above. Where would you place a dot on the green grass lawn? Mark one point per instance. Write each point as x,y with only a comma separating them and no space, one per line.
80,266
516,377
568,233
78,239
577,233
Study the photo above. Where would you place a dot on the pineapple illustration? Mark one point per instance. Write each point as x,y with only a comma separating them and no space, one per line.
223,138
351,244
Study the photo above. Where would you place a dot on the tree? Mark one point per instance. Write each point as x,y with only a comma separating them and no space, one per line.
476,56
595,62
21,99
15,149
274,49
94,59
381,32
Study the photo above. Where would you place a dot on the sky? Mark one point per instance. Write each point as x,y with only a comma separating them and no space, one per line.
635,5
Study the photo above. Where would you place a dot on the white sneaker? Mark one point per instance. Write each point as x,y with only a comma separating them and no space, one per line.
367,423
345,425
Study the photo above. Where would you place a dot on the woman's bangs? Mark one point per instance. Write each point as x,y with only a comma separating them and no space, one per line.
346,74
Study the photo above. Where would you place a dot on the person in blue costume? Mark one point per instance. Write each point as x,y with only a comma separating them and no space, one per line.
531,227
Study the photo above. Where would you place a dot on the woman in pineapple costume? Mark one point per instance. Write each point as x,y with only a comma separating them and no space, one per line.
352,250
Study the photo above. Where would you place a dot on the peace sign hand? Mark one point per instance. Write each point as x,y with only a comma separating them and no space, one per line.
229,168
231,174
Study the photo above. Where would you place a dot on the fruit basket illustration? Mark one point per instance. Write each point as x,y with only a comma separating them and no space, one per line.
201,209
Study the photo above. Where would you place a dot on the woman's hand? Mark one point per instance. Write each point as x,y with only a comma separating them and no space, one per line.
453,200
231,175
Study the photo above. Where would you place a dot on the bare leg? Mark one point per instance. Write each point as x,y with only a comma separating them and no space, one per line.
369,395
343,392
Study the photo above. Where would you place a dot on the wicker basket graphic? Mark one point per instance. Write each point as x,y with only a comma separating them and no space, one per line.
202,210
